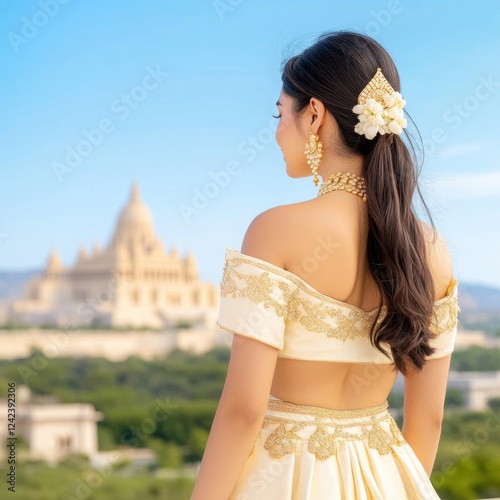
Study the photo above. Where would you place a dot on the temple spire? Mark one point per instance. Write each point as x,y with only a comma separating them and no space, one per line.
82,254
54,261
135,196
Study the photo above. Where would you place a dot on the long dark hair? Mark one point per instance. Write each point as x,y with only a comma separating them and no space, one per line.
335,69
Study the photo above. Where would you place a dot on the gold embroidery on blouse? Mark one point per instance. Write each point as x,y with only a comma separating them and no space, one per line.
313,316
346,323
445,314
259,288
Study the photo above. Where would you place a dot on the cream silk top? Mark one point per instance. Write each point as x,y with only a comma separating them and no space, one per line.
272,305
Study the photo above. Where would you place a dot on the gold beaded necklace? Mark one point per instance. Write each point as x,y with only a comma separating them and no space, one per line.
344,181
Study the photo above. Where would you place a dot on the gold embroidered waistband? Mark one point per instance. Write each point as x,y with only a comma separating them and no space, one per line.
280,405
378,431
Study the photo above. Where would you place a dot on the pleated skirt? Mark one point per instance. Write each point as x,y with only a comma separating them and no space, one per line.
306,452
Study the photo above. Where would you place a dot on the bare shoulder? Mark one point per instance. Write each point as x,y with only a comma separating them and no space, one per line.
264,236
279,231
439,258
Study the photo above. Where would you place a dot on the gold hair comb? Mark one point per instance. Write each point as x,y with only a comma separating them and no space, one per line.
376,88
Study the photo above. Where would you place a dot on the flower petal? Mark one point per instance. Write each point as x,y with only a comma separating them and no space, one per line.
395,128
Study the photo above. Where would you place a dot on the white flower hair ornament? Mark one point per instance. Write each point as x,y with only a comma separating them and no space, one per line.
379,109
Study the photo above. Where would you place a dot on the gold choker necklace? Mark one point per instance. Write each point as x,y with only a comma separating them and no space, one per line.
345,181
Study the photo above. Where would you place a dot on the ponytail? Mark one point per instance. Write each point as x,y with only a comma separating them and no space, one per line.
397,254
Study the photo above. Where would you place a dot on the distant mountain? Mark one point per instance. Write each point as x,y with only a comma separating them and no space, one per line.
475,298
479,308
12,283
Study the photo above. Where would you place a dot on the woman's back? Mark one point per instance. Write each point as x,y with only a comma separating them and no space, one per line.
323,242
315,352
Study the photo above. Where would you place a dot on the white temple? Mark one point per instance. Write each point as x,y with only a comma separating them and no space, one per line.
134,282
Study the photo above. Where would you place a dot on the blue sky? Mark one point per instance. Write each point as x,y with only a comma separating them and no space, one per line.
185,90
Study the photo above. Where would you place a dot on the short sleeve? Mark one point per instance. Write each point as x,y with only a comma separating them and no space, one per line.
444,322
253,300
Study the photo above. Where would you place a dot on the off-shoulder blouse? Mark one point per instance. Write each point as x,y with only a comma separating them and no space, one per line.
272,305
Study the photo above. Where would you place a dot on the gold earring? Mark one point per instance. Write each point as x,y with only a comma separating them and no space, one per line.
314,153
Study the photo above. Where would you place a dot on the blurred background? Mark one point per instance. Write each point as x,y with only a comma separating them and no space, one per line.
137,143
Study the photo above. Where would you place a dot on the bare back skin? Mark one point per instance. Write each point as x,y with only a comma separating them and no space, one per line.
342,220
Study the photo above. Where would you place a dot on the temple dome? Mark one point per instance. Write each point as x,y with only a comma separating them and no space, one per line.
134,230
135,213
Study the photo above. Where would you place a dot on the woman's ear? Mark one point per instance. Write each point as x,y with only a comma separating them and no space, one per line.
317,112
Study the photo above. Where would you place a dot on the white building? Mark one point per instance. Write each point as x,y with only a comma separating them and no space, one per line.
477,387
134,282
53,431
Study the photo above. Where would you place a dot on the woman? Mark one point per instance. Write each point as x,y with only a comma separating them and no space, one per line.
329,298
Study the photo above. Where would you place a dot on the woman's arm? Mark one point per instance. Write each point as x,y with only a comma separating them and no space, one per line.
238,419
425,391
248,383
423,409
